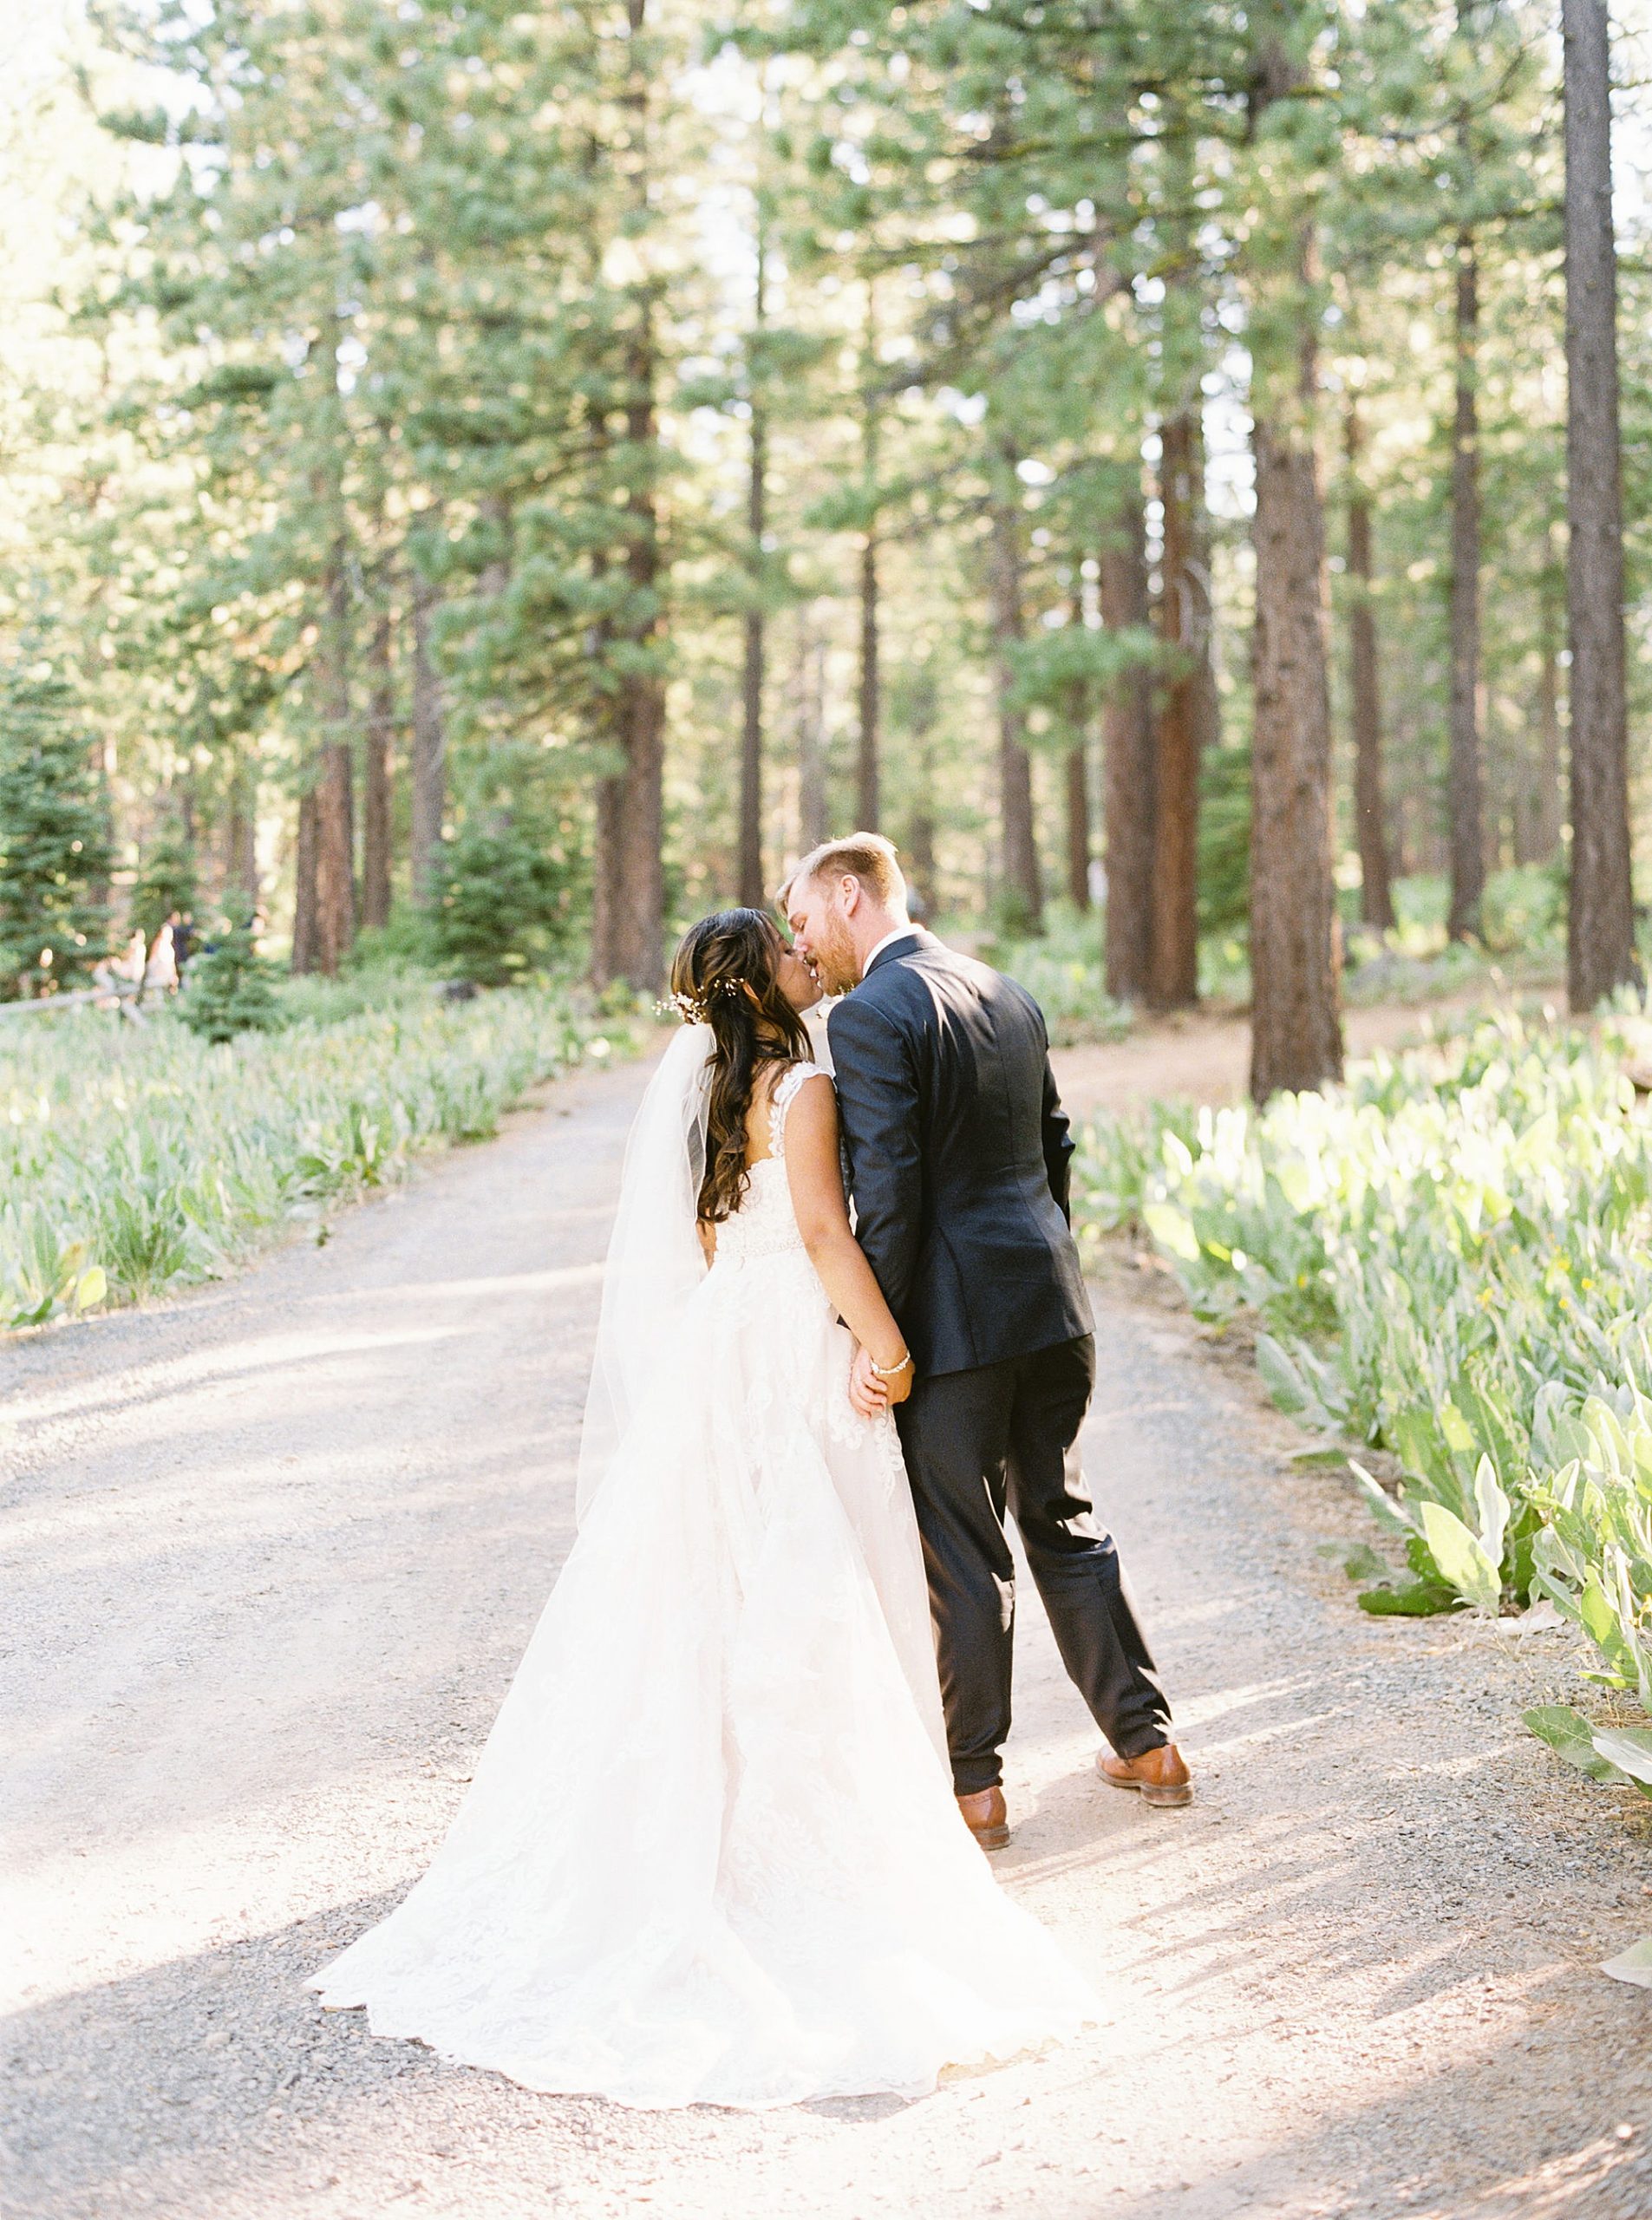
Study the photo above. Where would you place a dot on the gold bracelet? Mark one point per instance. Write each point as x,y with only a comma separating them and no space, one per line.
893,1371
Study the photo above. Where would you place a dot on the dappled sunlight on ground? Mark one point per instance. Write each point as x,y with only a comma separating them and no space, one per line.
280,1548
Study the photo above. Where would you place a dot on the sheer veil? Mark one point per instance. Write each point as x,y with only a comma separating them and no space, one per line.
654,1257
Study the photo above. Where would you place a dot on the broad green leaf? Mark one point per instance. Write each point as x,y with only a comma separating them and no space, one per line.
92,1288
1594,1609
1629,1748
1417,1599
1495,1507
1382,1505
1362,1562
1455,1427
1172,1229
1282,1378
1461,1560
1569,1735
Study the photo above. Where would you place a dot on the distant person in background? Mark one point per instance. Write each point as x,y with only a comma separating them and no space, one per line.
160,972
118,980
183,940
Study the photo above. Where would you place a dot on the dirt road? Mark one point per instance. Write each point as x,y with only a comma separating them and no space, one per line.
1204,1055
271,1554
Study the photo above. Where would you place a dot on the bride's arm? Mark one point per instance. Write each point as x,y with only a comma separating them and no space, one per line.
813,1173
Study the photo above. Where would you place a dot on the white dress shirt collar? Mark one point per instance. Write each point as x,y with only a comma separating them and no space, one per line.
902,932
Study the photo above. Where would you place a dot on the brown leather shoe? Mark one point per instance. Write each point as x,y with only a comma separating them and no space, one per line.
1160,1775
987,1816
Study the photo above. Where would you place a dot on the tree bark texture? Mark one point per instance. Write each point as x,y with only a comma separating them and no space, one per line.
304,886
921,826
1295,1026
868,743
241,857
811,733
1022,884
333,791
376,780
1296,1038
1127,768
1547,816
627,919
868,768
628,910
1465,783
428,765
753,894
749,872
1370,808
1173,977
1077,772
1078,825
1600,951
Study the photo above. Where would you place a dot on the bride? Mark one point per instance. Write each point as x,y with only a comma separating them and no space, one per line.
711,1853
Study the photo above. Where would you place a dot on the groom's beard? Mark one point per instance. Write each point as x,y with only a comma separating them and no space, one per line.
836,966
838,973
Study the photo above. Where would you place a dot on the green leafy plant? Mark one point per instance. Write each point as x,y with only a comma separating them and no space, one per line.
1450,1257
136,1160
230,988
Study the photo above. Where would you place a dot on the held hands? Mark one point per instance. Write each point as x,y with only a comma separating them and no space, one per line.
869,1394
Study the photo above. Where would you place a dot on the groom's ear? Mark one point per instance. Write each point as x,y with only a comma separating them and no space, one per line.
849,891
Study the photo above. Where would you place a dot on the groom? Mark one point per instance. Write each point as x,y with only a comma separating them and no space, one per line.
958,1154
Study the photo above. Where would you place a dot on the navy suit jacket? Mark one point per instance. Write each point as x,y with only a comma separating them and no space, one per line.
959,1157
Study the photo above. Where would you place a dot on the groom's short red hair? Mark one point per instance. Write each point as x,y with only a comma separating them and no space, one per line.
865,856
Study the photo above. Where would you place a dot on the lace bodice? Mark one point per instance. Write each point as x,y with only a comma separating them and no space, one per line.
766,1225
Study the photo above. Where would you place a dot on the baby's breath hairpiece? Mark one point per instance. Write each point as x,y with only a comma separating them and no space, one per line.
695,1009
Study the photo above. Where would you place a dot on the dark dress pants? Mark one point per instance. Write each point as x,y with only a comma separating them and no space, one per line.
1005,1438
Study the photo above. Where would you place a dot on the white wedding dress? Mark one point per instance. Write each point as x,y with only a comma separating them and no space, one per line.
710,1853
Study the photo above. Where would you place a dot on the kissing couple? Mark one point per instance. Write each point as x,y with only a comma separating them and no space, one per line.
723,1844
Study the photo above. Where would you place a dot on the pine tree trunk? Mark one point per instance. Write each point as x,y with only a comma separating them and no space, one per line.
1601,954
241,844
753,894
811,733
920,836
627,911
1173,976
335,826
304,886
868,748
1296,1034
1022,887
376,790
1078,825
628,915
1128,770
427,766
1370,815
1465,785
1548,816
868,794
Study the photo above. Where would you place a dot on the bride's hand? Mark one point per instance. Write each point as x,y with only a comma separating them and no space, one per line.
869,1395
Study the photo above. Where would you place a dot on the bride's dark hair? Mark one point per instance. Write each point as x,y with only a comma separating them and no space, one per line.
725,975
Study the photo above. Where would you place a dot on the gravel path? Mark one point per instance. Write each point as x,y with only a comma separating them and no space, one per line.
272,1554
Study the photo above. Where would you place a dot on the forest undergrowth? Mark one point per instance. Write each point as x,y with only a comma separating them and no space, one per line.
1449,1261
134,1160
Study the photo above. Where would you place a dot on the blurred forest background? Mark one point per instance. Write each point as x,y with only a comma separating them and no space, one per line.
485,482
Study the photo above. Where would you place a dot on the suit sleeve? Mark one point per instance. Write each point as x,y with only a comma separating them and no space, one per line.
1059,1146
878,1107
